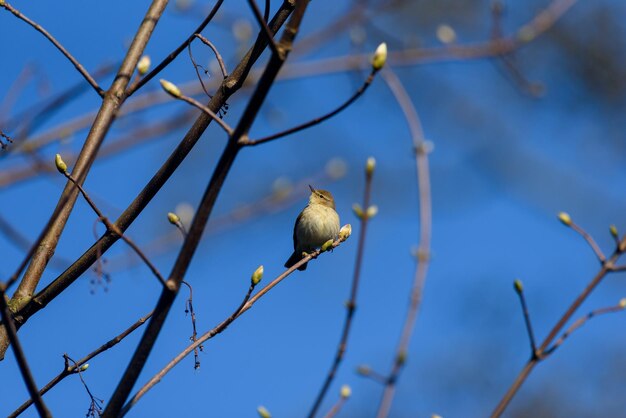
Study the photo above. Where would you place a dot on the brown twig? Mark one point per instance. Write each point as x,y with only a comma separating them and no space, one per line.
581,321
247,303
111,103
519,289
607,267
356,95
589,239
58,45
20,357
206,110
83,263
264,28
95,406
202,215
336,407
351,304
111,227
172,56
218,57
423,252
67,371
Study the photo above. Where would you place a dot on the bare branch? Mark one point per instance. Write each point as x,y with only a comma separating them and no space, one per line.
58,45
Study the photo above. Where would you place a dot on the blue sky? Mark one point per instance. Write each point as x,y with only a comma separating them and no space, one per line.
503,165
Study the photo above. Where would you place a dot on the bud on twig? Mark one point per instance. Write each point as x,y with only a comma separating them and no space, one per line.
173,218
380,57
613,230
364,370
170,88
358,211
372,211
61,166
565,218
327,245
143,66
370,165
345,232
517,284
84,367
345,391
263,412
257,275
622,303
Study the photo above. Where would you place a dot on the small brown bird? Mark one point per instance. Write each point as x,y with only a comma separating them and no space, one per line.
317,223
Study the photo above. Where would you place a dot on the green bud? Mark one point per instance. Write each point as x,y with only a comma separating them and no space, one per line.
565,218
257,275
263,412
358,211
613,230
345,392
345,232
173,218
401,359
370,165
517,284
61,166
372,211
380,57
327,245
143,66
364,370
526,33
84,367
170,88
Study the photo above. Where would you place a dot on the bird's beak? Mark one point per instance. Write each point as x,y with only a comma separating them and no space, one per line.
312,189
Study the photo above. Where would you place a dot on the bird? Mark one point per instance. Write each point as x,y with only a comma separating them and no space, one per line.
317,223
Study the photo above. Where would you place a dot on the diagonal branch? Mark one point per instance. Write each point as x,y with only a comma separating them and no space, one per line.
247,303
111,104
172,56
84,262
201,217
57,44
11,330
356,95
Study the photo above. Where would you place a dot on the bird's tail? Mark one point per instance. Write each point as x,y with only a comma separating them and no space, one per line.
295,257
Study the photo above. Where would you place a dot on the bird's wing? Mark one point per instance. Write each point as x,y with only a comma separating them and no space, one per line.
295,238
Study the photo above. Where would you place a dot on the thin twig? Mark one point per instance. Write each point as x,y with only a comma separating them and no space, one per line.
208,111
264,28
519,289
247,303
111,104
580,322
114,229
218,57
195,67
194,334
95,407
351,304
336,407
86,260
606,268
20,357
356,95
67,371
58,45
423,252
172,56
592,243
203,213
